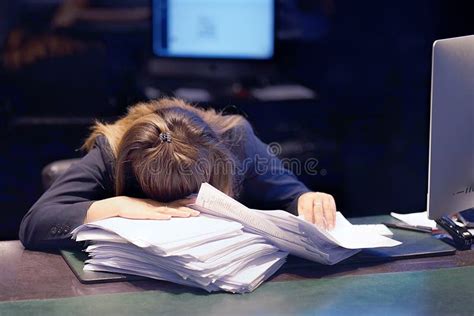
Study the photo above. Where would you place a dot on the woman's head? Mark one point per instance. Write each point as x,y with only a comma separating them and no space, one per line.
167,148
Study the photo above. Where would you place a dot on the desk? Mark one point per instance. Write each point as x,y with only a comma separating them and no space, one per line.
43,283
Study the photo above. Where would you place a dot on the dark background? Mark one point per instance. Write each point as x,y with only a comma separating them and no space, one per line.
368,61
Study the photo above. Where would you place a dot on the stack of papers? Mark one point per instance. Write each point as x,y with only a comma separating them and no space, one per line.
227,247
204,251
291,233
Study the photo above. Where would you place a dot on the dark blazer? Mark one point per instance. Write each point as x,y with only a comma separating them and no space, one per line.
265,183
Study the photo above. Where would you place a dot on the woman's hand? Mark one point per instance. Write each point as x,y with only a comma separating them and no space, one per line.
128,207
318,208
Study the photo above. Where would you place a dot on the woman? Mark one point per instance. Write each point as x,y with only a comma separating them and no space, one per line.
148,164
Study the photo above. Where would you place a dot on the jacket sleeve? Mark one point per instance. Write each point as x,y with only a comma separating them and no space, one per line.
64,205
267,183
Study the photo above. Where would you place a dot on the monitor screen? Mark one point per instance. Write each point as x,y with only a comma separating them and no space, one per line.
221,29
451,159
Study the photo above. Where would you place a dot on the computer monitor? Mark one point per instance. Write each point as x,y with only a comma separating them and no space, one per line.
451,151
214,29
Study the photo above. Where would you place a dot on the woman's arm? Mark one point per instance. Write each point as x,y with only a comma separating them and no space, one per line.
267,181
64,205
128,207
85,194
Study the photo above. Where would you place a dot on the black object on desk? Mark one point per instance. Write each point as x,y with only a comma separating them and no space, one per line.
461,237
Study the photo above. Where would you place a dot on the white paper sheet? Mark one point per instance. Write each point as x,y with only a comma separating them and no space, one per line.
415,219
98,235
165,236
217,203
346,236
380,229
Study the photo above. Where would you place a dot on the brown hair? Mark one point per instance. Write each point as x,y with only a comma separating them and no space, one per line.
196,149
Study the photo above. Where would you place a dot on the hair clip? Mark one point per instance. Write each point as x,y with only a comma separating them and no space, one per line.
165,137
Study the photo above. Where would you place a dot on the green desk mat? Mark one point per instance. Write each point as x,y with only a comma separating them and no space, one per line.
438,292
75,260
414,244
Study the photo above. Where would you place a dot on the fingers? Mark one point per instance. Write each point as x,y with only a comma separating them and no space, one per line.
190,210
325,210
186,201
305,208
151,214
135,208
318,208
175,204
318,213
178,207
180,211
163,213
160,216
329,211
